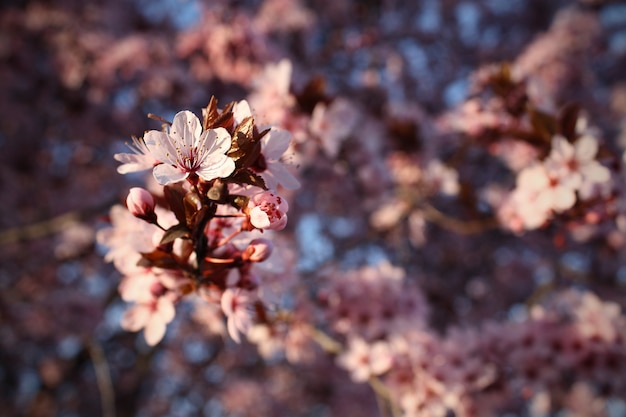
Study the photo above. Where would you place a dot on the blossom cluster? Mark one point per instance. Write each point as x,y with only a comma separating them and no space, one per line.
210,228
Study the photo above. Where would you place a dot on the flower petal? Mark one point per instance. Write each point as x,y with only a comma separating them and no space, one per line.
154,331
186,128
259,218
160,146
241,110
586,148
216,166
216,140
165,309
133,162
275,143
595,172
167,174
136,317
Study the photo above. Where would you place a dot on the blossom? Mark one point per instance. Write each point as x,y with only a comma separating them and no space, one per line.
364,360
575,164
186,150
152,317
268,211
333,124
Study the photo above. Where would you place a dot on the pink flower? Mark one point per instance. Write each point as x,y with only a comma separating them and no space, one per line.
364,360
268,211
152,317
186,150
236,305
333,124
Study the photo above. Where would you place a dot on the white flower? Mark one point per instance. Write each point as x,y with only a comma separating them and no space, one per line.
186,150
575,165
363,360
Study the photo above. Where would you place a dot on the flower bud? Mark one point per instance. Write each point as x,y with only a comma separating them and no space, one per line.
258,250
141,204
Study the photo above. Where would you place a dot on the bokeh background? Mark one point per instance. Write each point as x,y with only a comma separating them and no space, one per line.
78,79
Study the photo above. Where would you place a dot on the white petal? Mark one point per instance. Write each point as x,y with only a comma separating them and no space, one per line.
595,172
586,148
563,198
275,143
167,174
259,218
154,331
133,162
217,141
533,178
165,310
233,332
136,317
216,166
186,128
561,148
241,110
160,146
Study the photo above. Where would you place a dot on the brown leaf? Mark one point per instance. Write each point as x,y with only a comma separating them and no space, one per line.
178,231
160,259
174,195
568,117
544,124
246,176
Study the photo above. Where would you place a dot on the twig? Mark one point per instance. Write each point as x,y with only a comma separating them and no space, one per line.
103,377
51,226
386,405
462,227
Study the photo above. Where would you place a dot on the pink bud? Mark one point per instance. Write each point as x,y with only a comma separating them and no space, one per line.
258,250
141,204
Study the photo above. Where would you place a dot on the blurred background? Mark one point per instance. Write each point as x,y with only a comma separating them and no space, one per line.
78,79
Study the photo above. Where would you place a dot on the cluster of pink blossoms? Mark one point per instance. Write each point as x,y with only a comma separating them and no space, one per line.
569,173
208,229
